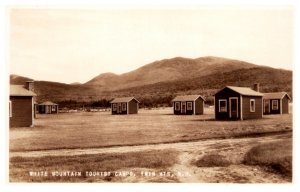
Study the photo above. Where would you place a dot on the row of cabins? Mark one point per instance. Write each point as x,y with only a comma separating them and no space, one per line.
231,103
188,105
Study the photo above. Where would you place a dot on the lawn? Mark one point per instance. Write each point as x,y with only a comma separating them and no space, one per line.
93,168
101,129
275,155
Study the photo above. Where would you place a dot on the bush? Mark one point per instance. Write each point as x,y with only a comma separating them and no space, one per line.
276,155
213,160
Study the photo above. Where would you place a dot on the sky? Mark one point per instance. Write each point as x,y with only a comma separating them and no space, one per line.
76,44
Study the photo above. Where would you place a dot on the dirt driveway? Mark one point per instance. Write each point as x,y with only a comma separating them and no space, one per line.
204,145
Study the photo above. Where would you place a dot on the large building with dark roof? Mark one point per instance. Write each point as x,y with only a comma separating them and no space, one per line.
188,105
124,105
238,103
276,103
21,105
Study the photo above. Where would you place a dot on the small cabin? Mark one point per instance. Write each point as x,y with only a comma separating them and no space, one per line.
124,105
48,107
35,108
21,105
188,105
276,103
238,103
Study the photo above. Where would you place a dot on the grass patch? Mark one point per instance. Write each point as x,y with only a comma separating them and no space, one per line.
65,130
277,156
212,160
21,166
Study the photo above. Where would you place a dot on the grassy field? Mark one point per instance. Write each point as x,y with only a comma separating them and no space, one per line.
277,156
250,151
92,168
101,129
243,163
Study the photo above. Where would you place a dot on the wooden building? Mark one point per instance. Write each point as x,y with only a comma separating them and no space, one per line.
48,107
21,105
188,105
238,103
276,103
35,108
124,105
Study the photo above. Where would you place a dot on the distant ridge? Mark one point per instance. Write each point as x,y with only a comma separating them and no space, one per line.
168,70
167,77
18,80
75,83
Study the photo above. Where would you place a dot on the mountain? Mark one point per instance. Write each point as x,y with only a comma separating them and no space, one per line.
167,70
75,83
104,80
18,80
55,91
166,78
270,80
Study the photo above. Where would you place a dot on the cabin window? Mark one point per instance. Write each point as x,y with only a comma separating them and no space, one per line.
177,106
252,105
275,104
222,105
123,106
189,106
53,107
10,109
114,107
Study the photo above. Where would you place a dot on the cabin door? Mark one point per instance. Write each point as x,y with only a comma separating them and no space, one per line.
119,108
183,107
267,106
48,109
233,108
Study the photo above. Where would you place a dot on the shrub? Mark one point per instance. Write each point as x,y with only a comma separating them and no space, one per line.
275,155
213,160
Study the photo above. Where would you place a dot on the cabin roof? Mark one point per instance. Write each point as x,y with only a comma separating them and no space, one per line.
243,91
48,103
276,95
123,100
187,98
19,90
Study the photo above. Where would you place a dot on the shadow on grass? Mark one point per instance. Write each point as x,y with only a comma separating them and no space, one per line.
203,120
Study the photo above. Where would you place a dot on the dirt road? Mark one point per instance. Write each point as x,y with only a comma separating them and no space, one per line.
205,146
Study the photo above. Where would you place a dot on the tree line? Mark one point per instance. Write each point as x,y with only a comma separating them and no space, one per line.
145,102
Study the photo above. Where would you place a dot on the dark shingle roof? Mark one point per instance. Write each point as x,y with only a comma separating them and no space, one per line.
123,100
187,98
48,103
19,90
244,91
276,95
